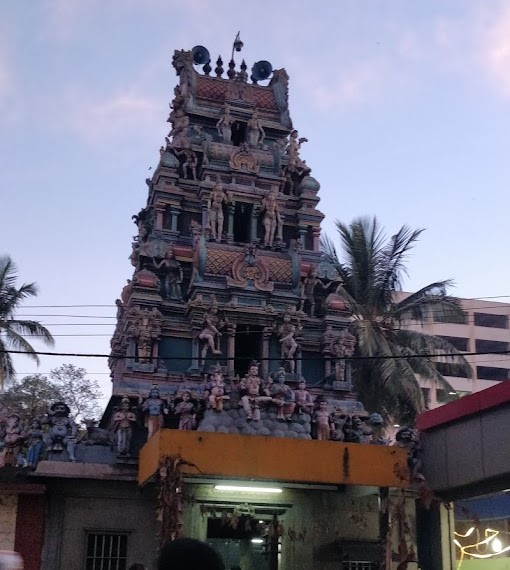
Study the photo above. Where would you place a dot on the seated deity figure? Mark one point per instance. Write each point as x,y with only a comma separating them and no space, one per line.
62,429
304,400
123,421
224,126
272,220
217,394
154,409
322,421
215,210
252,398
283,396
35,443
187,412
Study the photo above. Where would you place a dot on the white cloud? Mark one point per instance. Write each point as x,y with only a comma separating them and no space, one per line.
96,119
497,50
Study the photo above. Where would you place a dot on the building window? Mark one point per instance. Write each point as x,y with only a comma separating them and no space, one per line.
448,316
106,551
492,373
460,343
359,565
451,369
492,321
490,345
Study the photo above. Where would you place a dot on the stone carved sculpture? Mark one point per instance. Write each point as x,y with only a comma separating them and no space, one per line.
255,132
210,334
173,275
186,410
283,396
215,203
303,398
252,398
217,394
145,328
13,440
62,429
308,286
322,421
296,168
338,420
35,443
272,220
328,340
154,409
123,422
224,125
343,348
287,337
190,161
94,435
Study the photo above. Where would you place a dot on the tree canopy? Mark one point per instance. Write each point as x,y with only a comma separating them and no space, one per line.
12,329
389,355
32,396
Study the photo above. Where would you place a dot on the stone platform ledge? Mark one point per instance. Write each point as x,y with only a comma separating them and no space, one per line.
71,470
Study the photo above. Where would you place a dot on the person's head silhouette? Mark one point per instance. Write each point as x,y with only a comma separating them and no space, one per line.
189,554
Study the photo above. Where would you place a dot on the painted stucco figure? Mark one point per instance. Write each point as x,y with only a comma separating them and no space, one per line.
215,203
123,422
62,429
154,409
172,281
271,220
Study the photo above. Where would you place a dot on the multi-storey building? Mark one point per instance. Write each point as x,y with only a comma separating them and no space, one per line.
484,335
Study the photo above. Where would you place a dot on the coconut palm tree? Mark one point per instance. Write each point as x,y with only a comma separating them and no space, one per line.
13,330
392,355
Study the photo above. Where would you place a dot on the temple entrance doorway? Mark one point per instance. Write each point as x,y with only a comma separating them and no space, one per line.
243,542
248,347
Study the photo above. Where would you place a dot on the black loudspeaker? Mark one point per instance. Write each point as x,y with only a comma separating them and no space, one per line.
200,55
261,70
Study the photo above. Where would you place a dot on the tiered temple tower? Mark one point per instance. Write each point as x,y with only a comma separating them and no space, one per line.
227,262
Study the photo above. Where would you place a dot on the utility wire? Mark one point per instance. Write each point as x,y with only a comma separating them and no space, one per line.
269,358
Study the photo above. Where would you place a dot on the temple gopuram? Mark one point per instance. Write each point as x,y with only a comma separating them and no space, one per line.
232,417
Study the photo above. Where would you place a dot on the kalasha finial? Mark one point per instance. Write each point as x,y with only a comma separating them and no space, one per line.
219,67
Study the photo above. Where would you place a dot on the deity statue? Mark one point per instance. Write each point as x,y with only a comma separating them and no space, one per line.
308,285
173,275
123,421
224,126
328,340
322,421
377,435
215,210
296,168
34,442
272,220
210,334
252,398
283,396
13,439
145,328
186,410
338,419
190,161
287,332
62,429
154,409
180,124
255,132
304,400
408,439
217,391
343,348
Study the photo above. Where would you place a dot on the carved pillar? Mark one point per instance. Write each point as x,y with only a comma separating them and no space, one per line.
195,350
299,367
266,337
254,222
302,235
160,216
231,349
316,232
174,212
205,216
231,209
327,366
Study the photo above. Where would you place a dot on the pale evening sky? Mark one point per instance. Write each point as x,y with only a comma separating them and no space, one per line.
406,105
